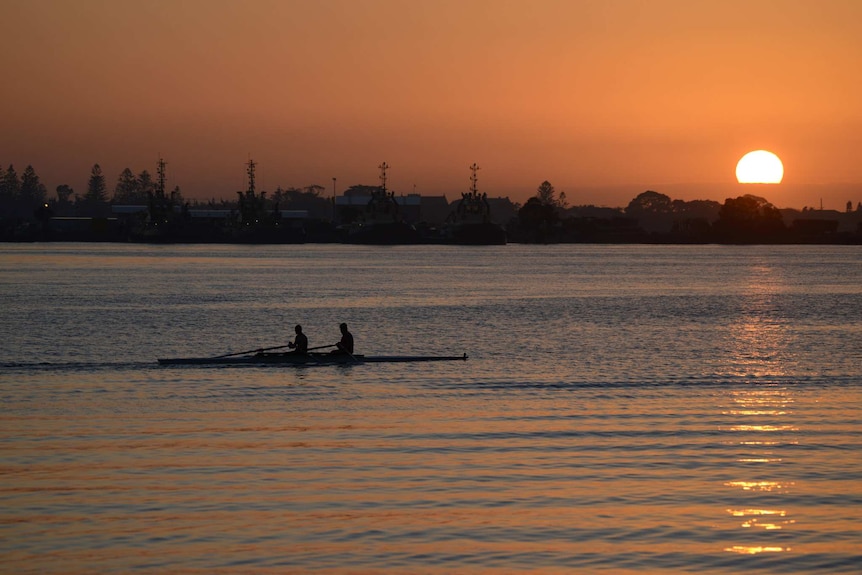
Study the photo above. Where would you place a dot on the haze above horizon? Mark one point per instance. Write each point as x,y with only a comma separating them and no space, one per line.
604,99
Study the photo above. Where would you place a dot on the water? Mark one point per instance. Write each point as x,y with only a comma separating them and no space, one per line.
625,409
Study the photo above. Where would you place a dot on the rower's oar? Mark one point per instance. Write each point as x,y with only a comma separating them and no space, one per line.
321,347
251,351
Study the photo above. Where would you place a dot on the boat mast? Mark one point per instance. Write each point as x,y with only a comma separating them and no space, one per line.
250,172
383,167
162,178
474,188
160,206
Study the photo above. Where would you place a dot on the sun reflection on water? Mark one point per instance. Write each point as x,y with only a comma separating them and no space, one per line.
760,416
766,428
761,518
761,344
741,549
760,485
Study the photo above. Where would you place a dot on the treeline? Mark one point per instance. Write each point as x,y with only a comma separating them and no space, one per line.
19,197
652,217
544,218
26,197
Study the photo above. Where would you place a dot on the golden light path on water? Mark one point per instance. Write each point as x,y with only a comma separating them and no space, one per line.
760,405
763,416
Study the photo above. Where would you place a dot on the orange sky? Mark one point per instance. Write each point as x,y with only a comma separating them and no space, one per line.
604,98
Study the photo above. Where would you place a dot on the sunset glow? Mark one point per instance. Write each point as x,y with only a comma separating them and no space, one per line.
603,99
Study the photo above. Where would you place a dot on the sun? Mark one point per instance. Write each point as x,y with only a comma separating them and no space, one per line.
759,167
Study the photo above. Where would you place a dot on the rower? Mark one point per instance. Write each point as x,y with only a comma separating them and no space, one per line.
345,346
299,343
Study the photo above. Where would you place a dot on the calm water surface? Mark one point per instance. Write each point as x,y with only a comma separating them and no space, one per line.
625,409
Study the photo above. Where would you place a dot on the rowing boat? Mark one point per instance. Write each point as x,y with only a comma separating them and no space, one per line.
309,359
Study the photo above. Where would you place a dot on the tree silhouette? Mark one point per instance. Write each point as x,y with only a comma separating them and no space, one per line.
562,201
749,218
653,211
97,192
546,194
538,219
126,190
10,187
32,191
64,194
651,203
63,204
314,190
96,199
146,186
